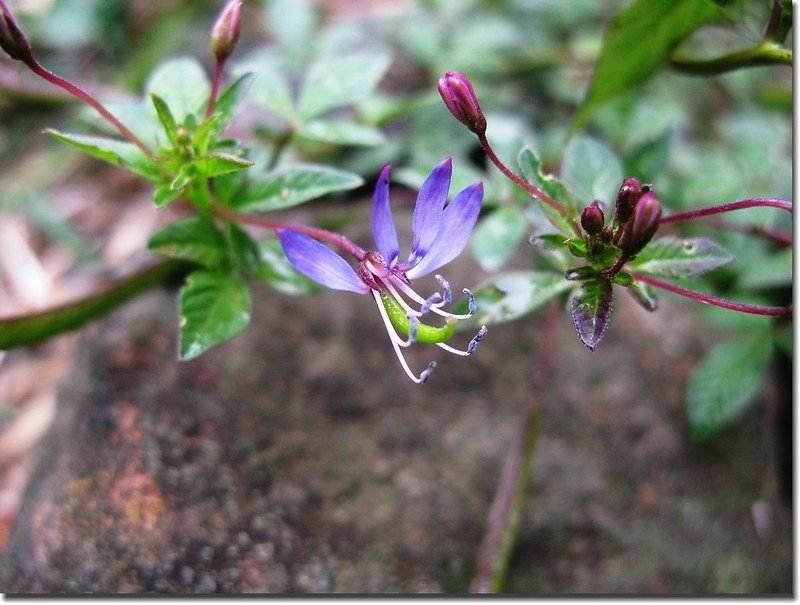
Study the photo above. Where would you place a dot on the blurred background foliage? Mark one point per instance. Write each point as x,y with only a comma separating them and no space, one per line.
537,68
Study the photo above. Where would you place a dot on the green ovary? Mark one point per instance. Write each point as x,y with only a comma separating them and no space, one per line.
425,333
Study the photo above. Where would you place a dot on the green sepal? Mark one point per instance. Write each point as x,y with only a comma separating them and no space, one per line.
425,333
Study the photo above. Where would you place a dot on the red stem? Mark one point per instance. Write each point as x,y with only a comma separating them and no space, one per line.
729,207
532,189
84,96
714,300
321,234
215,82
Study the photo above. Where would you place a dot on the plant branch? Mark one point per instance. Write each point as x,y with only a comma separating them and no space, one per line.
779,237
215,82
715,300
525,185
84,96
503,522
764,53
29,329
321,234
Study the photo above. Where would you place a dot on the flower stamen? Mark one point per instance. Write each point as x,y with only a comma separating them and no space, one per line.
397,342
471,347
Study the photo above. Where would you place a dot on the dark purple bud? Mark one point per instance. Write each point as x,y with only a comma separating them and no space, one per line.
12,40
642,225
593,219
459,96
225,33
629,194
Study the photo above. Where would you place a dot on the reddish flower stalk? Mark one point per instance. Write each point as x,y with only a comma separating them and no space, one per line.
224,36
525,185
84,96
321,234
715,300
729,207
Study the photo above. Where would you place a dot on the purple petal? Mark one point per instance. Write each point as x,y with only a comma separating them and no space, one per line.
383,230
318,262
458,221
428,211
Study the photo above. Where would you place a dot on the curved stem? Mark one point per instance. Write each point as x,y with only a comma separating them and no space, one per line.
321,234
532,189
781,238
764,53
715,300
29,329
84,96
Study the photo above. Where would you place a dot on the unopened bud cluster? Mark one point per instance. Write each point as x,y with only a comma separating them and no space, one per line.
637,214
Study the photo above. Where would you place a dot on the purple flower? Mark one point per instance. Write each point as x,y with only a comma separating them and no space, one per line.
440,232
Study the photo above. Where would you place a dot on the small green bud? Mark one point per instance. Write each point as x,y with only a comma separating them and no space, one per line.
225,33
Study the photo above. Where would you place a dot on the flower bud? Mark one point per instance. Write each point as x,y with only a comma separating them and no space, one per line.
593,219
629,194
459,96
642,226
225,33
12,40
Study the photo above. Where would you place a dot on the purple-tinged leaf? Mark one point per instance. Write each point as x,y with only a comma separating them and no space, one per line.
591,311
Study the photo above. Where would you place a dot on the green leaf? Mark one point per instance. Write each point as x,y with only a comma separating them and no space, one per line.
591,311
166,118
292,22
725,383
341,133
292,186
644,295
165,195
245,249
182,84
680,258
531,168
194,238
510,295
276,271
497,236
638,41
338,81
232,95
591,170
270,89
219,163
120,153
214,306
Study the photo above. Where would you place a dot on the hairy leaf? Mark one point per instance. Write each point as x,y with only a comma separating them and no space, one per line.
591,311
680,258
531,167
510,295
